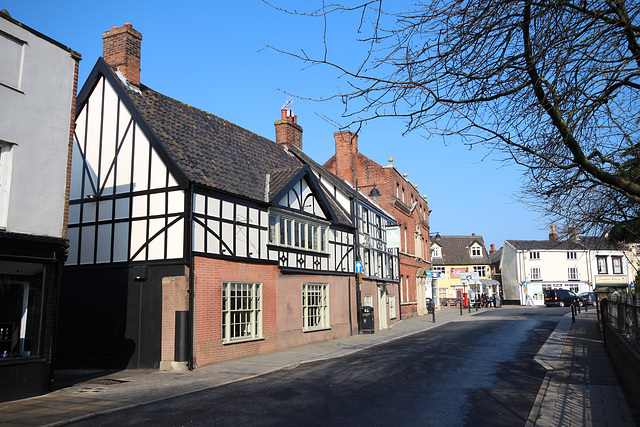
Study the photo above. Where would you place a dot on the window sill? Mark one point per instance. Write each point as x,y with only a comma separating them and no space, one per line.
242,340
296,250
316,330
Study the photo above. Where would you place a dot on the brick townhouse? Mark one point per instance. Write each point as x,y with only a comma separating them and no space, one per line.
401,199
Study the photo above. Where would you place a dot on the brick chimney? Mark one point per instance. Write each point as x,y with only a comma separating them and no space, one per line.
346,151
121,49
553,235
288,131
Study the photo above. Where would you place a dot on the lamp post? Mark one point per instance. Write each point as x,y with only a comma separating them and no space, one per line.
373,193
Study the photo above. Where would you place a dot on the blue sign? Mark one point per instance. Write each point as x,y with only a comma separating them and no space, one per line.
429,273
358,266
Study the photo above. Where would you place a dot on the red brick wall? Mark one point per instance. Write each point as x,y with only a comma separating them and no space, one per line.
175,297
281,309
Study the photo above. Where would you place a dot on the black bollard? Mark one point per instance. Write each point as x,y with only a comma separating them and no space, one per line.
460,308
573,313
433,311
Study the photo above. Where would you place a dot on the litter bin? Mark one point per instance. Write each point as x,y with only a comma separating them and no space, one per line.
366,320
430,305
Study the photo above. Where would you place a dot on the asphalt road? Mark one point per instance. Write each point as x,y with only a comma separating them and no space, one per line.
478,371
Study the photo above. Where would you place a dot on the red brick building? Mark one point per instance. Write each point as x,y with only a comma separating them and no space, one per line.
401,198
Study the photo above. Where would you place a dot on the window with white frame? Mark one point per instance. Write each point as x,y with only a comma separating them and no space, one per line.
572,273
476,251
602,264
392,307
241,311
290,231
534,255
440,270
368,300
616,262
5,181
535,274
572,255
436,252
481,270
315,306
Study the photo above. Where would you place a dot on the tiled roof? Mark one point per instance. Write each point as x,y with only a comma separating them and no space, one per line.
581,243
455,251
209,150
279,178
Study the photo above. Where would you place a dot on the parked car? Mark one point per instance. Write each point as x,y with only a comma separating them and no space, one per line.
561,298
589,298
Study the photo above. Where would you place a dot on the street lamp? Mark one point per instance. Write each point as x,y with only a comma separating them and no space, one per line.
373,193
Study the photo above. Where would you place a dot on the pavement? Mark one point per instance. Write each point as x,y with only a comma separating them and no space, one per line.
580,387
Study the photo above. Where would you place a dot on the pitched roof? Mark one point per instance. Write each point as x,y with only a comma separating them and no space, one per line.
455,250
580,244
206,149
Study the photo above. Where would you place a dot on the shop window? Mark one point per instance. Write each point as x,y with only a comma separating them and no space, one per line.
21,306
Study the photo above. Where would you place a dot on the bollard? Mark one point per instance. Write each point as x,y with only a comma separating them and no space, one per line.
476,305
469,306
573,313
460,308
433,312
579,309
585,307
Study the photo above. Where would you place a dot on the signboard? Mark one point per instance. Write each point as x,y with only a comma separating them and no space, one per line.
469,276
393,237
358,266
429,273
617,280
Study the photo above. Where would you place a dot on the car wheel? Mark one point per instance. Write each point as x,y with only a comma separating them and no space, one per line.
581,303
594,304
561,304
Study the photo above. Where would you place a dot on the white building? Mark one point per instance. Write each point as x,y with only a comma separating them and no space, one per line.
581,264
38,78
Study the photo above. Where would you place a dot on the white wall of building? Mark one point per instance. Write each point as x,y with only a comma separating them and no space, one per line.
37,90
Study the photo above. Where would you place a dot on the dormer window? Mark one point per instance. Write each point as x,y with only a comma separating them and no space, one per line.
295,232
436,252
476,251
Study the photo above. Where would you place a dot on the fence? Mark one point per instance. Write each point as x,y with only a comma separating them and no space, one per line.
619,317
622,312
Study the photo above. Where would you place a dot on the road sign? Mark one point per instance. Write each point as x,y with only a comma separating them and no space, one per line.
358,266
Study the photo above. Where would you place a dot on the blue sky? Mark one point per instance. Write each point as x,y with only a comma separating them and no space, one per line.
209,54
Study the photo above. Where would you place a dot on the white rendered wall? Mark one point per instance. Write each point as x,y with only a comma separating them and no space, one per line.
35,118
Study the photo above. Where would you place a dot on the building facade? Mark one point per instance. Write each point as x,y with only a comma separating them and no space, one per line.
410,210
378,282
192,240
579,264
452,257
38,80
